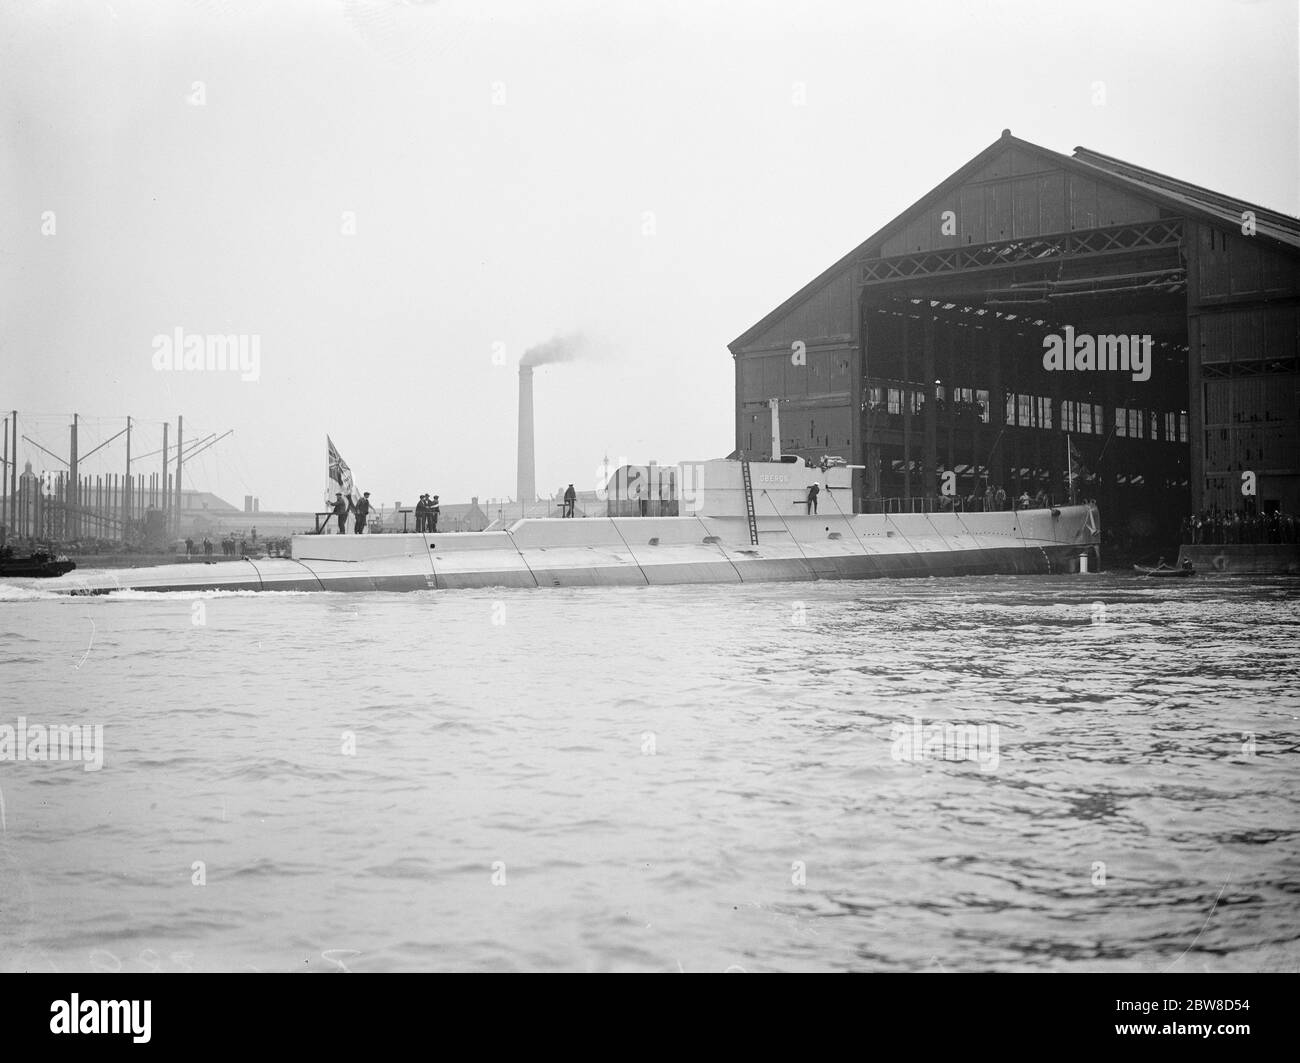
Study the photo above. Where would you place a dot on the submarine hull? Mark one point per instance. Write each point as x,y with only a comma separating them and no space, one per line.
641,551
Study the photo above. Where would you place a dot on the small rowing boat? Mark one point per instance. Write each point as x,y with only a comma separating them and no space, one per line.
1177,573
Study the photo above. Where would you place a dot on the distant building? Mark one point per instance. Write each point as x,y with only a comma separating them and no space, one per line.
462,516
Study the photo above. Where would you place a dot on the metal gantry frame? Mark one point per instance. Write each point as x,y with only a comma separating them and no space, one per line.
1082,244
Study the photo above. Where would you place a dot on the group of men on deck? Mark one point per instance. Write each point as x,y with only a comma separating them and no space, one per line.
426,514
343,506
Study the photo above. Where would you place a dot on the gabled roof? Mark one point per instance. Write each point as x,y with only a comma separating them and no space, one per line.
1193,199
200,501
459,509
1177,196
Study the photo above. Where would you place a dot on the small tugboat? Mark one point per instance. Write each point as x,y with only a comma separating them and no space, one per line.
39,564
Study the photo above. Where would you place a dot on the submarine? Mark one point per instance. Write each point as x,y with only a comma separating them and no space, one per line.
739,521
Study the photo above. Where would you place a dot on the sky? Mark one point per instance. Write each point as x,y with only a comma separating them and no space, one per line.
396,200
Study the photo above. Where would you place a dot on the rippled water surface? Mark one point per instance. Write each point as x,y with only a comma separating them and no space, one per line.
660,779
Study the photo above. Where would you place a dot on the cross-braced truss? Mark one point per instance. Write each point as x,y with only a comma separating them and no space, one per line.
1073,245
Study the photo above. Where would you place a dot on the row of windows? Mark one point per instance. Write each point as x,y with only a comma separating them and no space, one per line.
1029,411
1088,418
1168,427
1036,411
963,402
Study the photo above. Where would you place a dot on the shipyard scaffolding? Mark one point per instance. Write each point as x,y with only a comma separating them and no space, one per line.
920,355
68,505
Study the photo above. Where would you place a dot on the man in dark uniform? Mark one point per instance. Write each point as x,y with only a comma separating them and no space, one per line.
813,491
421,509
340,510
434,510
362,510
570,500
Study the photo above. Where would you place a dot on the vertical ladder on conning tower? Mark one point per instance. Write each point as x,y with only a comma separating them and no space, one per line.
749,501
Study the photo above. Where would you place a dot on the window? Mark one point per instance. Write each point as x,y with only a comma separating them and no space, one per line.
1182,427
1025,418
1121,421
982,405
1135,425
1085,417
1069,415
1044,413
1011,408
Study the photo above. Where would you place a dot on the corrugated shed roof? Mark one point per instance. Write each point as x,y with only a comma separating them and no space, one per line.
1178,196
1195,199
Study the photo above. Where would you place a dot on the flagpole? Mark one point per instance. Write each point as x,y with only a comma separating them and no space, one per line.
1069,467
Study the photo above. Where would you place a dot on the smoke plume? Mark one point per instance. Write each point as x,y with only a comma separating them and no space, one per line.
560,349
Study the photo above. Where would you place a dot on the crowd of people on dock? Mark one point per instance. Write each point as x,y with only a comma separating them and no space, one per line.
1214,526
234,545
231,546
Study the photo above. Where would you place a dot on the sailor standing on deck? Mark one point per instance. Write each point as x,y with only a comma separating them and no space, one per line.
362,510
340,510
813,491
570,498
434,510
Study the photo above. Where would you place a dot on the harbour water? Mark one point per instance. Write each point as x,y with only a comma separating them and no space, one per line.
698,778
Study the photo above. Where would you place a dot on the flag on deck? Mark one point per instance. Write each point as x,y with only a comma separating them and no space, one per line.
340,476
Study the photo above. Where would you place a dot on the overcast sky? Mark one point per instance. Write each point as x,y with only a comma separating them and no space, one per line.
656,176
